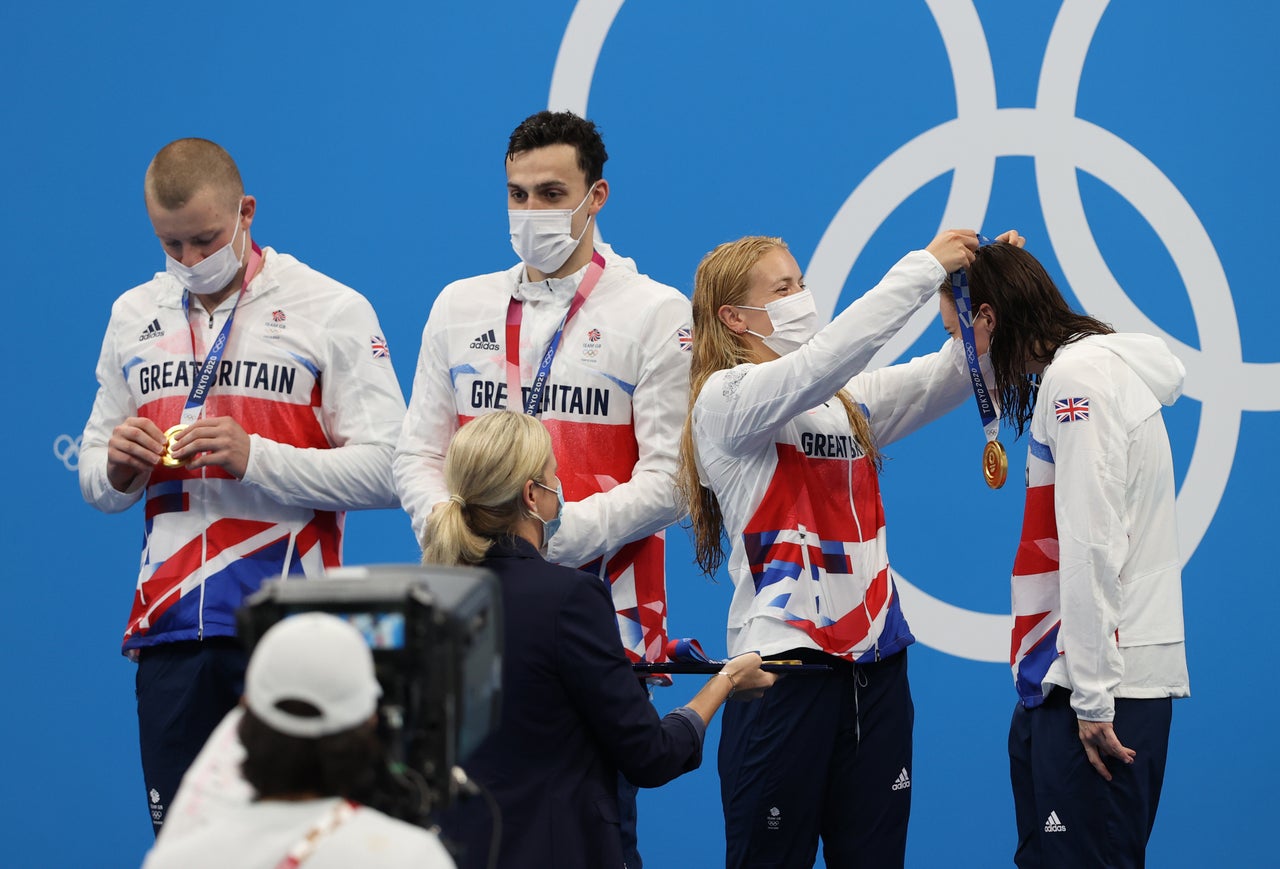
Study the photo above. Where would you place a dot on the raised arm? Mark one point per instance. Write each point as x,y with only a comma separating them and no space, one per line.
749,403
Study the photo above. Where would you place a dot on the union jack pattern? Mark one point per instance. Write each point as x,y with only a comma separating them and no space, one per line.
1071,409
379,345
233,555
1037,612
685,338
838,591
593,335
208,540
238,556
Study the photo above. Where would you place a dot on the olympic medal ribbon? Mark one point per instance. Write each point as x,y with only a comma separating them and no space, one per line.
203,380
687,650
995,463
532,404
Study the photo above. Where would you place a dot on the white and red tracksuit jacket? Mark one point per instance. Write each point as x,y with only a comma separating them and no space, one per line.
1097,580
307,374
615,403
800,501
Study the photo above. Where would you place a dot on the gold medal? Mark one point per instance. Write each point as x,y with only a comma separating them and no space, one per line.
995,464
167,459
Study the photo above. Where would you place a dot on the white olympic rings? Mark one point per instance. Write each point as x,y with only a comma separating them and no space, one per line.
1060,143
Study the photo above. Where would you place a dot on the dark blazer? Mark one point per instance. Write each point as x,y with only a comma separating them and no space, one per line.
573,714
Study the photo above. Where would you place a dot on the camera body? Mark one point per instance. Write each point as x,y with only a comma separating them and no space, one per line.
436,636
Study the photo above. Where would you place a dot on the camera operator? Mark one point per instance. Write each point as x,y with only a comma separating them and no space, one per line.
307,725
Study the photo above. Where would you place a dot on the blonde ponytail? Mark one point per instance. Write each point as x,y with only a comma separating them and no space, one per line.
488,463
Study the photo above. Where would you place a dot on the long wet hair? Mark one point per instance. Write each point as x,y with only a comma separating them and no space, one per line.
1032,321
723,278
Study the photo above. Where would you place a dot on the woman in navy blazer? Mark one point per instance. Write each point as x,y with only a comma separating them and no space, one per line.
573,712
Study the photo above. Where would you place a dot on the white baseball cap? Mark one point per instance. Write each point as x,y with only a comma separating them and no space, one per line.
319,659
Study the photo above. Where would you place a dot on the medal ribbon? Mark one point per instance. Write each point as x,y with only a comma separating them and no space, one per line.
987,409
204,379
515,315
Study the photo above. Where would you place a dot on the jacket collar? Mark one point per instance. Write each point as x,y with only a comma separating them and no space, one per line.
510,546
170,292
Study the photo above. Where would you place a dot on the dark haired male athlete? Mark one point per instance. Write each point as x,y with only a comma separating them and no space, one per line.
574,334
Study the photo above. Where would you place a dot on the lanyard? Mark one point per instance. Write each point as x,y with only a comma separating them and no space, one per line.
328,822
204,379
515,314
994,462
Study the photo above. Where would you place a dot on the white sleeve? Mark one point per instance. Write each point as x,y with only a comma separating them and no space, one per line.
647,503
901,398
361,411
111,406
756,400
429,425
1090,458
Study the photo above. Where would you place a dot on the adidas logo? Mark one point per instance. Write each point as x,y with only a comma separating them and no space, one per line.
152,331
903,782
1053,825
487,341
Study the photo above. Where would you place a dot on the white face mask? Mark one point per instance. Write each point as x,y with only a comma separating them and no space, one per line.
543,238
212,273
552,525
794,319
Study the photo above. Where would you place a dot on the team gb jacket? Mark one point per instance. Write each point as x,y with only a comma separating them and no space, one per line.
1097,580
307,374
800,500
615,403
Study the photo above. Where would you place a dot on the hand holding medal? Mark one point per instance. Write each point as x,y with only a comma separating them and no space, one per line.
169,460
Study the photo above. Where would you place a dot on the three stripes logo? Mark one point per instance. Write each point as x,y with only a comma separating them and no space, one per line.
487,341
1053,825
903,782
152,331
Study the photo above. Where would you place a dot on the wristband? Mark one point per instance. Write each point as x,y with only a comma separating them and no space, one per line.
733,683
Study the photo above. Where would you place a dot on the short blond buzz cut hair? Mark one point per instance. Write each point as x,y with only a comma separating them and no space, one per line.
184,167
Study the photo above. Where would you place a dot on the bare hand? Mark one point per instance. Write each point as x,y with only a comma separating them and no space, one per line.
133,448
954,248
219,441
751,682
1011,237
1100,739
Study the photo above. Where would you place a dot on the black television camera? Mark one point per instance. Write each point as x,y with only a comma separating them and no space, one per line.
436,636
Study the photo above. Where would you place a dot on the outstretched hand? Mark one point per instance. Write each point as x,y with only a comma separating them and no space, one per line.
749,680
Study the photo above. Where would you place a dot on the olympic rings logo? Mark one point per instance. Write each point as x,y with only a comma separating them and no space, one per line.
1060,143
66,449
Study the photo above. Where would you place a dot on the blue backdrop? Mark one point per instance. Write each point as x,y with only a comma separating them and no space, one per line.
1133,144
